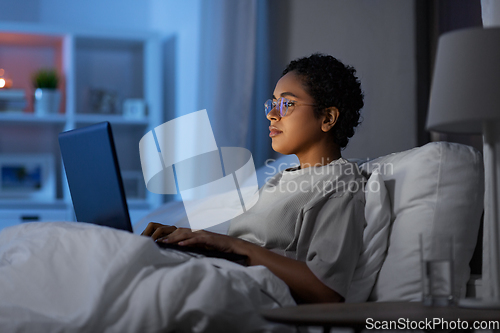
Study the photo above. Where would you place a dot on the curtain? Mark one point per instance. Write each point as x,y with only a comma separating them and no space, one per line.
233,63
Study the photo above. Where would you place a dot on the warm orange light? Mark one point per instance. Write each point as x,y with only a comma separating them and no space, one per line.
2,72
8,83
2,83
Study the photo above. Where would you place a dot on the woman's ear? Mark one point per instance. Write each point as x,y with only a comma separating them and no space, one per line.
330,118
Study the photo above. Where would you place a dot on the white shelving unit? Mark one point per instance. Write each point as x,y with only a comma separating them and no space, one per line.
126,64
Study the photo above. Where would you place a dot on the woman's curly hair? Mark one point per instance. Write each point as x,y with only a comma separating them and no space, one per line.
331,83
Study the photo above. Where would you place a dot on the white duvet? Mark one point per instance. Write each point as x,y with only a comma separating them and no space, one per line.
76,277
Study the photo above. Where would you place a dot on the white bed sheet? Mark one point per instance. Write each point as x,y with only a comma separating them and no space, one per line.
76,277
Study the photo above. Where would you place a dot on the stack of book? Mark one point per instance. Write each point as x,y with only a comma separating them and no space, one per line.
13,100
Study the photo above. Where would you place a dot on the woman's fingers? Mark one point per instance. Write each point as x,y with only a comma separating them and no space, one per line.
201,238
162,232
157,230
187,237
177,235
150,229
197,240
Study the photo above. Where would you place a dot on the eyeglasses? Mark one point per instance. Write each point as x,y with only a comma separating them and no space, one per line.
282,105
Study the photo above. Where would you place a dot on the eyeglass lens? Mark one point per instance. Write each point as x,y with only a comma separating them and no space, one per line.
281,106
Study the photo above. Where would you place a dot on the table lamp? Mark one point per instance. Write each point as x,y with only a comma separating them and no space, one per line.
465,98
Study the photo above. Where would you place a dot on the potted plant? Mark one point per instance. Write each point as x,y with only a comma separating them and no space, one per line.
47,97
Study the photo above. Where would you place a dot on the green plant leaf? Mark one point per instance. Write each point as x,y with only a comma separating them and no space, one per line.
45,78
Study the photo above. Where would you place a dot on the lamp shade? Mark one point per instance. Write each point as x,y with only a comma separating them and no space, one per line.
466,83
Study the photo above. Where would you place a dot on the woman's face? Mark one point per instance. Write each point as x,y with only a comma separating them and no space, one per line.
299,131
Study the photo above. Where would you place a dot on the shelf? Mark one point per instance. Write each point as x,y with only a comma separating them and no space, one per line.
99,72
31,39
86,119
31,204
107,71
22,54
31,118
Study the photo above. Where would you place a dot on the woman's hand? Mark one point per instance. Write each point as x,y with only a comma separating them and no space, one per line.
158,230
199,238
206,239
304,285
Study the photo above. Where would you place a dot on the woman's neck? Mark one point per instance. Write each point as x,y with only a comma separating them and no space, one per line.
318,158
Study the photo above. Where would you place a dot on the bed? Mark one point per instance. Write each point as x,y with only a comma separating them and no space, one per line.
76,277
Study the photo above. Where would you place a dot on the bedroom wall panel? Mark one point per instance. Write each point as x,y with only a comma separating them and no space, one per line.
377,37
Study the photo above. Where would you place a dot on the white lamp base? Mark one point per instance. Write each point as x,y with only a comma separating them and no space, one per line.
491,236
491,246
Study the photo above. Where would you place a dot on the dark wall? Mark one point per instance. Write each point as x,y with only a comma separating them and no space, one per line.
434,18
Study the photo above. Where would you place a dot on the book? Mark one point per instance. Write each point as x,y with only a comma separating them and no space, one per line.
13,105
12,94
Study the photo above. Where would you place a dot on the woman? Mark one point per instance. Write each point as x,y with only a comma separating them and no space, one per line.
308,223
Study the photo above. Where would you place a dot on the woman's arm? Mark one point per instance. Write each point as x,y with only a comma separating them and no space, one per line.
303,284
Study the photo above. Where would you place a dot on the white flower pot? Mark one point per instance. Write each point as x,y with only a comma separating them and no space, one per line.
47,101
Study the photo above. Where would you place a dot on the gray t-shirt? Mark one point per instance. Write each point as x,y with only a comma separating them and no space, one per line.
315,215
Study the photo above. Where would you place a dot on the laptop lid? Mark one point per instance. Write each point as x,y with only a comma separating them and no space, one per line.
94,177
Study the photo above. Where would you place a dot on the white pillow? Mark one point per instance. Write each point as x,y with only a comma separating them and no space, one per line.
434,189
375,238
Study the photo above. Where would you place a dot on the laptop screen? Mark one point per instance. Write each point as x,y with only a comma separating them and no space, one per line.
94,177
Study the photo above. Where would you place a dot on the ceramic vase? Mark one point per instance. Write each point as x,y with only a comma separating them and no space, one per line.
47,101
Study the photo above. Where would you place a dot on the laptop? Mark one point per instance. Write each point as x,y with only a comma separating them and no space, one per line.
96,186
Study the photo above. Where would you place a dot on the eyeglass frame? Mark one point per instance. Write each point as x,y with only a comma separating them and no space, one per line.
274,104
